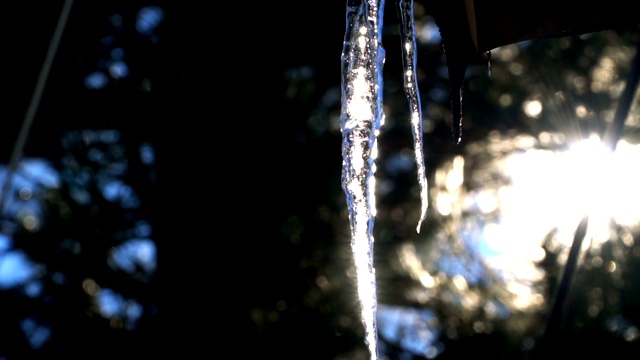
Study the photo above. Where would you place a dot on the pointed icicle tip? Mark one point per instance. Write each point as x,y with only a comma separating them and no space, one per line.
457,138
425,207
456,118
456,128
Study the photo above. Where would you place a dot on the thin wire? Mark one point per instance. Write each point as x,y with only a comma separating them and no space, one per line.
616,129
18,148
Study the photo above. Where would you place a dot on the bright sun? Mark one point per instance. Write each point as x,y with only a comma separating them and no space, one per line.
543,192
556,189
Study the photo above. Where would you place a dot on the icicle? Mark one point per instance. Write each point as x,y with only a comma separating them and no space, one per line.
457,64
360,119
489,63
456,123
408,36
459,49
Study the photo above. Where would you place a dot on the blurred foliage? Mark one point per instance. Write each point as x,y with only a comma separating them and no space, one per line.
79,252
472,309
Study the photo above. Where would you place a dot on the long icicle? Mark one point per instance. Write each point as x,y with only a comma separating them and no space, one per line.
360,120
408,34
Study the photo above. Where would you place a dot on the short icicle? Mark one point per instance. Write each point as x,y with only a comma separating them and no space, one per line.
360,121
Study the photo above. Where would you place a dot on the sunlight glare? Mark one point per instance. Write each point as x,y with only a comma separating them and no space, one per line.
556,189
543,193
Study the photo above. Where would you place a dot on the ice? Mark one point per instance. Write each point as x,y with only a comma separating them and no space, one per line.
360,121
361,118
408,35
